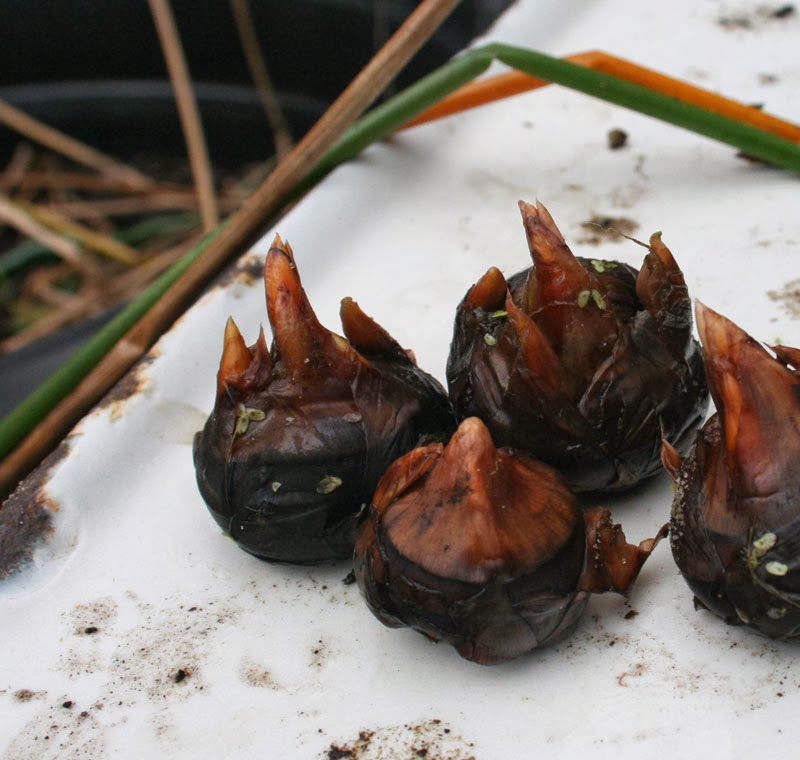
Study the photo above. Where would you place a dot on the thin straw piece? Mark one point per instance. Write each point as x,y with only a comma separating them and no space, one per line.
58,179
137,206
104,244
67,146
259,72
187,110
12,214
17,168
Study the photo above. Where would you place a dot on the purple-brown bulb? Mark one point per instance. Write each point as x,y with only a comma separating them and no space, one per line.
486,549
735,527
582,363
301,433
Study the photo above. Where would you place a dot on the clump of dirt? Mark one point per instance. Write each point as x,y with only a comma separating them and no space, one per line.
430,739
617,138
607,229
757,17
788,297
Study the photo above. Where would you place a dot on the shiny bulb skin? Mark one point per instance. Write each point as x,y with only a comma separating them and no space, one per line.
584,364
486,549
735,523
302,431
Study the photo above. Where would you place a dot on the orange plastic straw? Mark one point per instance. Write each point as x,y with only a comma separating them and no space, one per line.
483,91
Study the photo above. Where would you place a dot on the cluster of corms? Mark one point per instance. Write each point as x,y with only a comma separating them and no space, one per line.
458,509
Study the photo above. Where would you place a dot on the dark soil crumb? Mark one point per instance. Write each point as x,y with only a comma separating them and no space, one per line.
337,753
784,11
617,138
349,579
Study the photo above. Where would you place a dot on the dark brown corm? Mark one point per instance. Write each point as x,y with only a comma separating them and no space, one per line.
735,528
301,433
582,363
486,549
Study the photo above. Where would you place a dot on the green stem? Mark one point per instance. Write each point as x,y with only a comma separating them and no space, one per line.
749,139
18,423
388,117
376,125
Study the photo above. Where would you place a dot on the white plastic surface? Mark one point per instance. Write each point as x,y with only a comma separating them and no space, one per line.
138,584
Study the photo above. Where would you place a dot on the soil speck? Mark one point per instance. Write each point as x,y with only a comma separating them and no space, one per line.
788,297
607,229
24,695
617,138
428,739
257,675
760,16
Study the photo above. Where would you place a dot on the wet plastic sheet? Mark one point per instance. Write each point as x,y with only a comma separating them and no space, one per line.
139,630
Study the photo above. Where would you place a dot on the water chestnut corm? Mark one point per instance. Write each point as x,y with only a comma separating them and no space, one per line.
582,363
301,432
486,549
